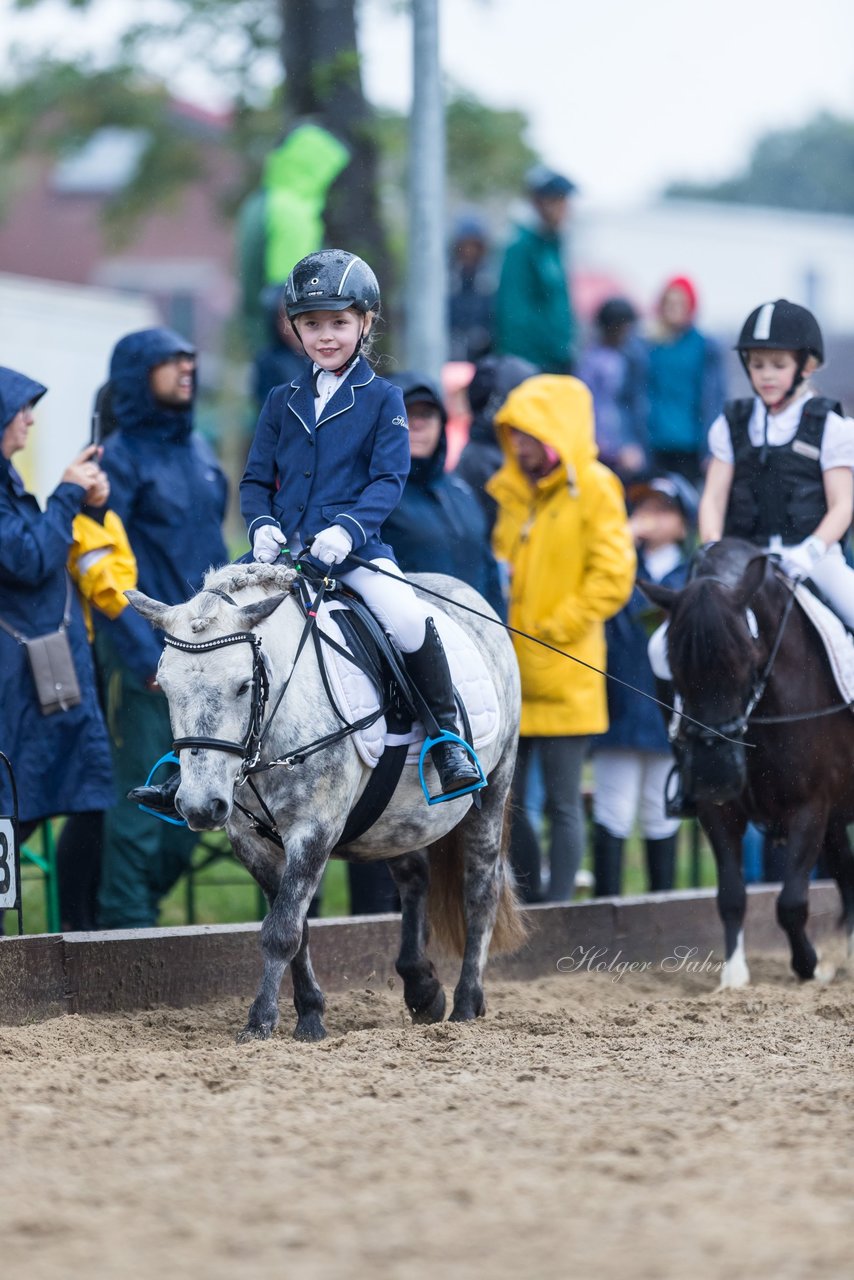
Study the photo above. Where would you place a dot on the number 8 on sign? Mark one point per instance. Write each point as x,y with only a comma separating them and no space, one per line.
8,866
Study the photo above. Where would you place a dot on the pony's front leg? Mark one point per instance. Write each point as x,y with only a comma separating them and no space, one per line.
725,825
806,836
308,998
284,936
422,989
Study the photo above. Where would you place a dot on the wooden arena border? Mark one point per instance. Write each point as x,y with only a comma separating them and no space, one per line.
46,975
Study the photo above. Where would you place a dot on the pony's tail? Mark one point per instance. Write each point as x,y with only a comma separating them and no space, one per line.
445,900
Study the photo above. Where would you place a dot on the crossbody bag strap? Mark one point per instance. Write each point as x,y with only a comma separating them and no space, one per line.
63,626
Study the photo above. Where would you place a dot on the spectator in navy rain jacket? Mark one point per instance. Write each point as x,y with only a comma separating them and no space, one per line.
170,492
438,526
633,759
61,760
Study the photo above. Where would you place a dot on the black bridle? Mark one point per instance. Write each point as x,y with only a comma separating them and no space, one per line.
251,746
249,749
738,726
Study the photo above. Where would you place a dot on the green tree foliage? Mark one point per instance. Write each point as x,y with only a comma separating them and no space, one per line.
53,107
810,167
487,149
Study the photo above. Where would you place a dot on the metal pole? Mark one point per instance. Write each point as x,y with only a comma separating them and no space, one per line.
426,340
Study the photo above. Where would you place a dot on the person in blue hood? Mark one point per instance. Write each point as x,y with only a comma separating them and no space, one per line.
62,759
437,527
170,492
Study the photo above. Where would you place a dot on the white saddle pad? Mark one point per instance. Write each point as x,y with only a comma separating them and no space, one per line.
356,696
838,644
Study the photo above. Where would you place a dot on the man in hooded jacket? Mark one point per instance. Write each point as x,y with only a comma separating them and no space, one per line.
563,532
170,492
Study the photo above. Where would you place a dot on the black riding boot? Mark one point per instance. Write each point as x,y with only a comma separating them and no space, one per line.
429,670
607,863
161,796
661,864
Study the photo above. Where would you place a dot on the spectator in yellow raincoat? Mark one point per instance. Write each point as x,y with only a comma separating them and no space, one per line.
563,533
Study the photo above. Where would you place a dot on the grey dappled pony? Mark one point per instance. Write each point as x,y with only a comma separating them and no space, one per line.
462,881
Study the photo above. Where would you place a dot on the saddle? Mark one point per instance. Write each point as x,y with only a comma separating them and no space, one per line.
367,684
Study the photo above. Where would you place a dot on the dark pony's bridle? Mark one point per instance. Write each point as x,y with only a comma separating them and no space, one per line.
738,726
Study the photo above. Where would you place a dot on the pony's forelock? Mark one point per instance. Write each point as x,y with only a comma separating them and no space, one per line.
708,637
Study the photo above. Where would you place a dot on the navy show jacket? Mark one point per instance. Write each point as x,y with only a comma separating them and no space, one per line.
349,468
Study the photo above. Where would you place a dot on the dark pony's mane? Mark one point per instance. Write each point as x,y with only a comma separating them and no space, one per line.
708,638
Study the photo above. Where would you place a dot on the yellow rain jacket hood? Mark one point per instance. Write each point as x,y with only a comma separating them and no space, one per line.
565,539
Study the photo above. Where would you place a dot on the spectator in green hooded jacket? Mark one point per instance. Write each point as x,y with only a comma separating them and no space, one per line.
534,318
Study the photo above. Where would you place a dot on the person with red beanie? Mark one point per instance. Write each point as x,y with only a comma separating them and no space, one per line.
686,383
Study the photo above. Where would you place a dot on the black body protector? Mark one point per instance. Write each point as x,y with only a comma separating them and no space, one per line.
777,490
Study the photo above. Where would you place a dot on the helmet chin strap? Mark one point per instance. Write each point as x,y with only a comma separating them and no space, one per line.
797,380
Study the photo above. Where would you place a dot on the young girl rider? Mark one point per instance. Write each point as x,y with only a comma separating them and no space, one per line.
327,466
329,462
781,467
780,474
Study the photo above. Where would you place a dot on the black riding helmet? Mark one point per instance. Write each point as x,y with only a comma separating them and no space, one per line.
331,280
782,326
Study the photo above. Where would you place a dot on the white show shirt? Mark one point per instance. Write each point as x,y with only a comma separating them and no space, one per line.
837,445
327,384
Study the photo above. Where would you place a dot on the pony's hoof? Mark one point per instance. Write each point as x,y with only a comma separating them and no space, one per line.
735,974
310,1028
255,1031
468,1013
825,971
432,1012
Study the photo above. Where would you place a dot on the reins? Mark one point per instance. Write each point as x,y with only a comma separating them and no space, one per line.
792,717
456,604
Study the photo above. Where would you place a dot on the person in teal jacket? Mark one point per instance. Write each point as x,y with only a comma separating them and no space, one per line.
534,318
685,383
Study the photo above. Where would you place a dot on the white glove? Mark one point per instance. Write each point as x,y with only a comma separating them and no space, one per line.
799,561
267,542
332,545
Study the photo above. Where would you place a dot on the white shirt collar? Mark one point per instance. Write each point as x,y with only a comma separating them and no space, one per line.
327,384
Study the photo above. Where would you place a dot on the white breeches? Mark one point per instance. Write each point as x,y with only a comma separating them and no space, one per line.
399,611
629,788
835,581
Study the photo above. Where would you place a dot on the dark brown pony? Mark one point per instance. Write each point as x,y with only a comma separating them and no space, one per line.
747,662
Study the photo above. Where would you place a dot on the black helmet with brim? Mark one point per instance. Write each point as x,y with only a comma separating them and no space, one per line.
331,280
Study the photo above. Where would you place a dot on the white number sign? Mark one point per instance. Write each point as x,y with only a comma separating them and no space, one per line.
8,867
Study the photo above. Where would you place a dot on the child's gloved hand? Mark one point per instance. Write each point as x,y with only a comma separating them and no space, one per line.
332,545
267,543
799,561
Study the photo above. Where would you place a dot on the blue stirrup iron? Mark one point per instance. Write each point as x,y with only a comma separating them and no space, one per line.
447,736
169,758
